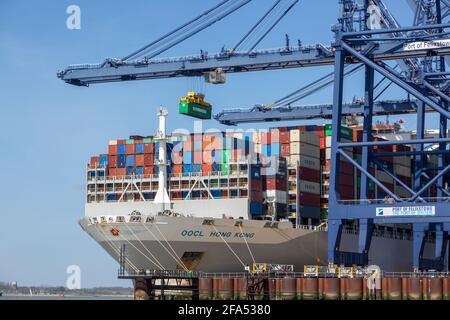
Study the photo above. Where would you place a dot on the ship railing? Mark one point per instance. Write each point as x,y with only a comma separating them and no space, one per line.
323,272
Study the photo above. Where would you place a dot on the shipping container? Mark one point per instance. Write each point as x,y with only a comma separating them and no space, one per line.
302,148
112,149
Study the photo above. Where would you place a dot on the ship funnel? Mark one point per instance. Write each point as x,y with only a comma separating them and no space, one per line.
162,196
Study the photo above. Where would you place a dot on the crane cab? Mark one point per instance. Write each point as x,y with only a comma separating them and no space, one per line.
194,105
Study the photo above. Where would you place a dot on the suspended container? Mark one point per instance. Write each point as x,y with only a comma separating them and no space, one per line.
195,106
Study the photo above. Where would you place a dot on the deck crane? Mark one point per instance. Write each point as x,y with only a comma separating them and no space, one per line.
427,40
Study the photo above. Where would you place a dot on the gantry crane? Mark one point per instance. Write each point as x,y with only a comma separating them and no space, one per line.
420,51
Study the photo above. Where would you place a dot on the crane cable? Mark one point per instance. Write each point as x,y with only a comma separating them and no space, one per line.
159,265
177,260
273,25
116,250
151,254
312,87
173,250
255,26
232,251
248,247
190,22
200,25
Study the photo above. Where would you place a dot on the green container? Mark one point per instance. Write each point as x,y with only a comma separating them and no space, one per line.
195,110
130,141
226,156
347,133
147,140
225,168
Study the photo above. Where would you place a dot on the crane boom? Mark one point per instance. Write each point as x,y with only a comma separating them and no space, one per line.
322,111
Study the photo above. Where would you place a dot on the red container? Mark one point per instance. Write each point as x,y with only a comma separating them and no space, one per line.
177,168
285,150
346,167
217,143
265,138
197,157
346,179
322,143
274,135
130,148
309,199
112,172
139,160
207,157
112,161
148,170
122,141
206,169
309,174
149,159
149,148
112,149
176,157
120,172
256,184
276,184
256,196
346,192
94,162
176,195
284,136
224,193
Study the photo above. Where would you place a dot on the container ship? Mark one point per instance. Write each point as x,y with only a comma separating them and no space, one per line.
221,201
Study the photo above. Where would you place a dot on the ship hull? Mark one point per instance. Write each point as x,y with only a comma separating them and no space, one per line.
225,247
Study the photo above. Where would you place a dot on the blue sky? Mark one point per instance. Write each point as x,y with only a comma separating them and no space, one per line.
50,129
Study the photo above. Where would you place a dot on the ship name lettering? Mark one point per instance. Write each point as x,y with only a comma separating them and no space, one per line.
191,233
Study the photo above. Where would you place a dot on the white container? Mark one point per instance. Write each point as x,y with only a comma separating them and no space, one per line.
112,142
305,149
328,142
403,161
309,187
403,171
304,136
304,161
277,195
402,192
383,177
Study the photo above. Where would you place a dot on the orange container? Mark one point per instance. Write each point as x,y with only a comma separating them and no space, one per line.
139,161
130,148
112,149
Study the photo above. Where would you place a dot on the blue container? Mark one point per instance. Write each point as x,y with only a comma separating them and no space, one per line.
130,171
256,208
233,193
169,169
100,173
148,195
187,168
139,170
187,157
121,160
216,167
309,212
155,169
196,168
139,148
198,145
91,174
121,149
216,193
130,161
103,161
266,149
184,194
275,149
111,197
255,171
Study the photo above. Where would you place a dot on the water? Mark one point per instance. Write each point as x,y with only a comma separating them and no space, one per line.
37,297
